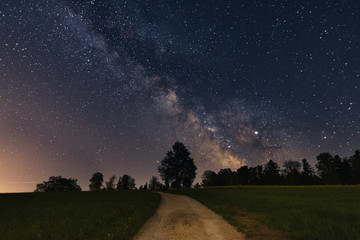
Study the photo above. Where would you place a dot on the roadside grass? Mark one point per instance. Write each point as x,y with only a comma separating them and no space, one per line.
317,213
75,215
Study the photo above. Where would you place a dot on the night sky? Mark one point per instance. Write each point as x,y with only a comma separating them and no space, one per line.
110,85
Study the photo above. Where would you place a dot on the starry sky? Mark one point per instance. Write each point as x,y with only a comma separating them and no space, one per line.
110,85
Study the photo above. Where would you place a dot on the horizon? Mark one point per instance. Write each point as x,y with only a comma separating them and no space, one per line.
109,86
137,185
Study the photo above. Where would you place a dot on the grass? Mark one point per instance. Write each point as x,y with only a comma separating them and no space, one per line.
316,213
75,215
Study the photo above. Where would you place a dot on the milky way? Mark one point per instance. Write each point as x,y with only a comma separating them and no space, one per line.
109,86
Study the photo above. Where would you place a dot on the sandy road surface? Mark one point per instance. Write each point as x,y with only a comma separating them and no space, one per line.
181,217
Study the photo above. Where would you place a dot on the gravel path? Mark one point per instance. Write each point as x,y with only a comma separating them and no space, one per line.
181,217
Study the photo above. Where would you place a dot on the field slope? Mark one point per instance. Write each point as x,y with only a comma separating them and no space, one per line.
75,215
318,213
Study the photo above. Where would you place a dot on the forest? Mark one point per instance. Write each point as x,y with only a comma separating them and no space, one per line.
329,170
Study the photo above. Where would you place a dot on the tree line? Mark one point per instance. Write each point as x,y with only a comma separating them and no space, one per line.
330,170
97,183
178,170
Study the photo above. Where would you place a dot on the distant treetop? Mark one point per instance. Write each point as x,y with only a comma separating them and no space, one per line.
58,184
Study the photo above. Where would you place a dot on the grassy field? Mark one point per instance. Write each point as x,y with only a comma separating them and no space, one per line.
75,215
315,213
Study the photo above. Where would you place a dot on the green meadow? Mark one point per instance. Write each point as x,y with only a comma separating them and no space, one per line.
75,215
317,213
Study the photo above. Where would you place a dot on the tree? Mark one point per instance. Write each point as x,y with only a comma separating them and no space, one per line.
226,177
345,172
155,185
328,168
291,166
243,175
307,175
178,168
272,173
354,161
119,184
126,183
58,184
307,170
292,172
197,185
96,181
110,185
209,178
256,175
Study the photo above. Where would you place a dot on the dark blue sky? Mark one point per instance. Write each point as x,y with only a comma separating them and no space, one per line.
109,86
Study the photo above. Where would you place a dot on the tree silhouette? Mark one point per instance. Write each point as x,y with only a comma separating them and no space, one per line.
178,168
346,172
243,175
307,170
226,177
209,178
308,176
256,175
272,173
58,184
292,172
126,183
110,185
328,168
291,166
354,161
154,184
96,181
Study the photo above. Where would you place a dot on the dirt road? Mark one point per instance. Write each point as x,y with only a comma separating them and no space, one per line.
181,217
